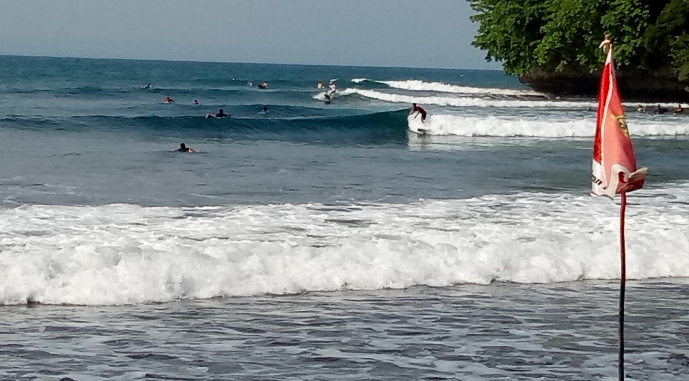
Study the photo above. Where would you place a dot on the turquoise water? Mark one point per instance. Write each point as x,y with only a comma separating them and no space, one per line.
310,212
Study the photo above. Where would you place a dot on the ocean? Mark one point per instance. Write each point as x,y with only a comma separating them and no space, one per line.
318,241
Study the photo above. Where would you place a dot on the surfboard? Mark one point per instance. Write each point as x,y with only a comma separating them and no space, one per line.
415,125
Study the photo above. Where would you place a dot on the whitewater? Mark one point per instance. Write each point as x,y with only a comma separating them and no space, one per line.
125,254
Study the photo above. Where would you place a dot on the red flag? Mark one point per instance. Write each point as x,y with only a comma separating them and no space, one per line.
614,165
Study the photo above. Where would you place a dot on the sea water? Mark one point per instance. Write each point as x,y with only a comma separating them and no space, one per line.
319,241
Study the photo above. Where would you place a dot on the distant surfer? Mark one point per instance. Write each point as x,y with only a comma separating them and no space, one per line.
263,85
220,114
249,83
679,109
319,85
184,148
415,108
168,100
195,102
332,91
265,109
661,110
147,87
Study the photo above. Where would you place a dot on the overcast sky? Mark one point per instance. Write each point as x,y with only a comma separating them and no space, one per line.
415,33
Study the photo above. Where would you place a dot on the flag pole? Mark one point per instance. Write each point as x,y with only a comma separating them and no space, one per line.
623,276
614,165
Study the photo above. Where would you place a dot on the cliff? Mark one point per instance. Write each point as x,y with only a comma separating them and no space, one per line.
634,85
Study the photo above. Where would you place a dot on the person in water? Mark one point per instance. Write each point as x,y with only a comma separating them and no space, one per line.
415,108
263,85
148,86
332,91
184,148
660,110
221,114
195,102
679,109
168,100
265,108
249,83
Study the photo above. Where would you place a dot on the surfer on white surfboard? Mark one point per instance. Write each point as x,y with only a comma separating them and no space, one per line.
331,92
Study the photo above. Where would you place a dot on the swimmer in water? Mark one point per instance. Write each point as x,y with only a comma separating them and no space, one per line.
168,100
184,148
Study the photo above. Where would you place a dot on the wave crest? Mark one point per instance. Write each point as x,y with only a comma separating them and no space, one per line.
438,124
102,255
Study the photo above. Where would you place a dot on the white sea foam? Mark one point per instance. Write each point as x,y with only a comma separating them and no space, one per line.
456,89
320,96
416,85
457,101
120,254
439,124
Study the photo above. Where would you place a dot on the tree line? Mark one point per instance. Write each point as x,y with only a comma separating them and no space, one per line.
551,35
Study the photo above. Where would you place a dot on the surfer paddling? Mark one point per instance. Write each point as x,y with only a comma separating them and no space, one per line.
183,148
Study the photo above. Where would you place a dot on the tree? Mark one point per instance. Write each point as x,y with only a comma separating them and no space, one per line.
510,31
553,34
669,37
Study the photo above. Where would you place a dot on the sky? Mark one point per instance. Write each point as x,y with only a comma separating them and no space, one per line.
410,33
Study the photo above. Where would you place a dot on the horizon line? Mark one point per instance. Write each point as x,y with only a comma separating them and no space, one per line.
239,62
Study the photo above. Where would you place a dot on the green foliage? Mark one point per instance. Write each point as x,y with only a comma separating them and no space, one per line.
509,31
669,36
552,34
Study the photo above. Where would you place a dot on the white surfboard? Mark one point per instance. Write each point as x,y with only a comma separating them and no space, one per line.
415,124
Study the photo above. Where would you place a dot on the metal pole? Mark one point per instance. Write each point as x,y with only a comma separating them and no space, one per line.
623,276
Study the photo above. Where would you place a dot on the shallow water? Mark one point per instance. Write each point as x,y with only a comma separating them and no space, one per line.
496,332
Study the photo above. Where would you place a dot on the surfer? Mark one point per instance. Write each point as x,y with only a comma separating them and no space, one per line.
168,100
195,102
679,109
332,91
263,85
220,114
319,85
265,109
249,83
660,110
415,108
184,148
148,86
